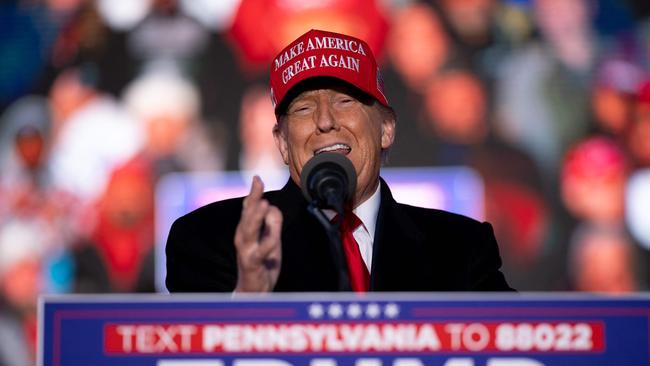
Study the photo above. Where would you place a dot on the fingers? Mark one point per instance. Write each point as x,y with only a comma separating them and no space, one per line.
254,208
257,189
270,246
258,242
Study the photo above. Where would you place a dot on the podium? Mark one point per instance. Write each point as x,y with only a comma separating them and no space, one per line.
344,329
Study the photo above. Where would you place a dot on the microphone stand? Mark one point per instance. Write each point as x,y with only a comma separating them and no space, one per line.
336,247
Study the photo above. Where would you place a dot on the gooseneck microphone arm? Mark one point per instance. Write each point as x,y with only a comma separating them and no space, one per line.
336,246
329,180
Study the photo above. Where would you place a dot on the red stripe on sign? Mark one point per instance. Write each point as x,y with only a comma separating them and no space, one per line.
389,337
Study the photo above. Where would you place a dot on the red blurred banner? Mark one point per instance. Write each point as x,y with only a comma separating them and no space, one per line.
261,28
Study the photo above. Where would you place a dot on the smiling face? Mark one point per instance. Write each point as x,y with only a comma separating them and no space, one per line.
334,117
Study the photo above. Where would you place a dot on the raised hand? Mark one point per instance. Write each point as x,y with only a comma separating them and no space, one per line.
258,243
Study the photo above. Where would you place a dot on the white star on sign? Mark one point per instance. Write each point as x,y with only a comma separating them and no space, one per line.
316,310
391,310
354,311
335,310
373,310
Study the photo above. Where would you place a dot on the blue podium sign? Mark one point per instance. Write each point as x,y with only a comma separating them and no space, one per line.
345,329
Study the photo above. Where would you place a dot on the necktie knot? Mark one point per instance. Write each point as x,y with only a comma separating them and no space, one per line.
349,223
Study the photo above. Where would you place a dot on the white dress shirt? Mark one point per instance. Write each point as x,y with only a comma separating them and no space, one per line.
365,234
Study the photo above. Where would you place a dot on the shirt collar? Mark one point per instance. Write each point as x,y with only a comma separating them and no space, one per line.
367,211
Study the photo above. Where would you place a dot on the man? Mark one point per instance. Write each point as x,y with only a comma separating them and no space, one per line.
328,98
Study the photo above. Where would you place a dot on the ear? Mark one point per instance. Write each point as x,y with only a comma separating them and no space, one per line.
387,130
280,137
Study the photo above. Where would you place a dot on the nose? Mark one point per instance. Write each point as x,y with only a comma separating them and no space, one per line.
325,119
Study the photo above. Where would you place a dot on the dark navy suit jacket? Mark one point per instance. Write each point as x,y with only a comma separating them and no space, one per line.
415,249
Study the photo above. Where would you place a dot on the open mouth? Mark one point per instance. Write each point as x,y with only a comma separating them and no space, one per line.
335,148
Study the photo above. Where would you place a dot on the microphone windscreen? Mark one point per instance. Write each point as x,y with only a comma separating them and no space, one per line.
331,160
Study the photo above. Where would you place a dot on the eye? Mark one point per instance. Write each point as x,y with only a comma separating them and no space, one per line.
300,108
345,101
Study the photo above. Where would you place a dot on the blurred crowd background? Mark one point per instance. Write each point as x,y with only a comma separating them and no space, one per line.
548,100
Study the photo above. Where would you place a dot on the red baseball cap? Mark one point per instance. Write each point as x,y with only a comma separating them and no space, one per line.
320,53
594,158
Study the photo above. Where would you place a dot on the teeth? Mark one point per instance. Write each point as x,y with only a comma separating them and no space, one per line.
334,147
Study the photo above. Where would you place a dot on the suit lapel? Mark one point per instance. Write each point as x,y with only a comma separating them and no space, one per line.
401,259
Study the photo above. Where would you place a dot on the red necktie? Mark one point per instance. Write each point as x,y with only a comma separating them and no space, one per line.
359,276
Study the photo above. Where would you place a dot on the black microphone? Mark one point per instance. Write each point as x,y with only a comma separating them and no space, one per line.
329,180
